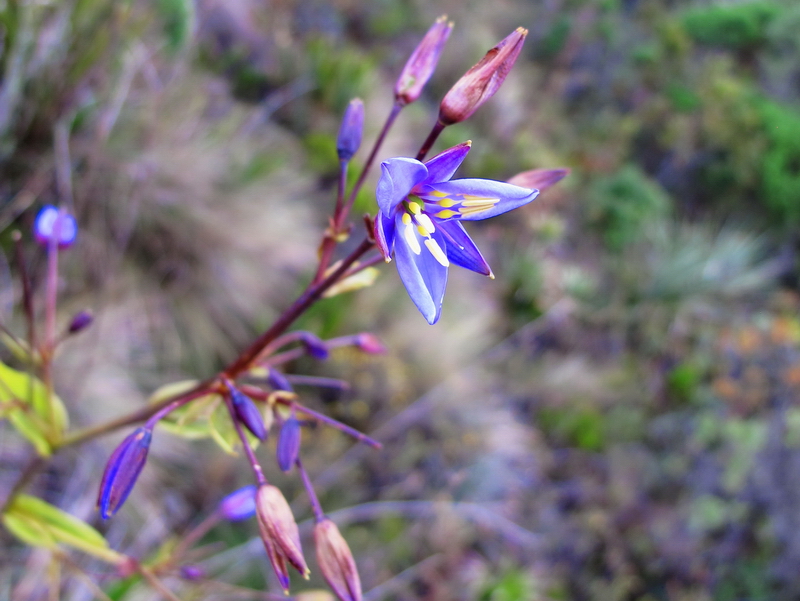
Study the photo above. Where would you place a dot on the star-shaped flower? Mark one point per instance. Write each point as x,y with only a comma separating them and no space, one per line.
420,211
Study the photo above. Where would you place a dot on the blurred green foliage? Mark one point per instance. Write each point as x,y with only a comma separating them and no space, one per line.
733,25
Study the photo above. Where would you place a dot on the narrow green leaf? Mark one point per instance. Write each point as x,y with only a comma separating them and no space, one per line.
57,518
20,386
27,426
28,530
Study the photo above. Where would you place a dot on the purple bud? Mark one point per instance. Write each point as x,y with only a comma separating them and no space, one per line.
370,344
480,83
239,505
80,321
278,381
193,572
53,222
422,62
351,130
289,443
315,346
122,470
247,413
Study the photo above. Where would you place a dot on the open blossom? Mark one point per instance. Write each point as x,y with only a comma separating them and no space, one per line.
419,221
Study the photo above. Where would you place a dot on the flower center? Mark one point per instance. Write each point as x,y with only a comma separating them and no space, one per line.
414,219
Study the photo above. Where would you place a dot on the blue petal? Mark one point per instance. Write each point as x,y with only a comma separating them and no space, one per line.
460,248
423,276
442,167
506,196
384,235
398,176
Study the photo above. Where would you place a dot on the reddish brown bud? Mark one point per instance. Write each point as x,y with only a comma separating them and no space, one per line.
422,62
336,561
279,533
539,179
480,83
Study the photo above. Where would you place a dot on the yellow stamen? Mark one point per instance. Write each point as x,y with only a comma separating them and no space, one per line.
446,214
475,201
411,238
437,252
414,208
446,203
406,219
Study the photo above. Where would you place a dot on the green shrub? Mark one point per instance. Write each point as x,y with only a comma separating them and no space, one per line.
781,162
733,26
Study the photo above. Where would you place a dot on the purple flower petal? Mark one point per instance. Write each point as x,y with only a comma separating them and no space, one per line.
444,165
423,276
384,235
398,177
240,504
460,248
481,198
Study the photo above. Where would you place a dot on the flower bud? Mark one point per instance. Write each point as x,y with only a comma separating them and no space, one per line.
288,443
279,532
192,572
122,470
80,321
314,346
422,62
54,222
278,381
350,131
539,179
247,413
239,505
480,83
336,561
370,344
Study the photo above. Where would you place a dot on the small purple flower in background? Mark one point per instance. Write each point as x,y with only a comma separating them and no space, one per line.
54,222
288,447
351,130
420,211
122,470
422,62
239,505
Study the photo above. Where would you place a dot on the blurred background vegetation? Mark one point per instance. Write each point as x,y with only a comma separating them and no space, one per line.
615,417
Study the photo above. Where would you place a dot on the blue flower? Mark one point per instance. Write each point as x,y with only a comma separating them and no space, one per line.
419,220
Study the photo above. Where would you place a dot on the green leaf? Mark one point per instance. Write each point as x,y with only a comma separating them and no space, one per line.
20,386
28,530
30,427
192,420
39,523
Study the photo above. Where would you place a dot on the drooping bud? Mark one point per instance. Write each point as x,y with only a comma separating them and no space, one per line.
336,561
192,572
422,62
247,413
278,381
351,129
370,344
122,470
480,83
539,179
315,346
80,321
52,222
239,505
279,531
288,443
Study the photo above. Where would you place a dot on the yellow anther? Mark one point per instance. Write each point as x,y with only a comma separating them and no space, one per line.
406,219
422,231
437,252
446,203
411,238
446,214
426,223
414,208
